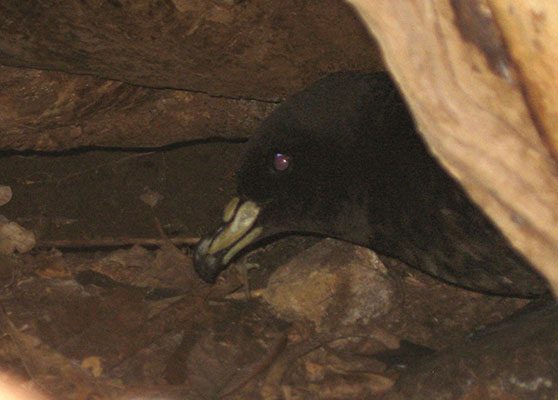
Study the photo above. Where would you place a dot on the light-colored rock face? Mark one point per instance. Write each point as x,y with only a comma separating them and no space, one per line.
143,73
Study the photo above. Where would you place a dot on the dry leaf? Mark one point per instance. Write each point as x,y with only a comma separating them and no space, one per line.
5,194
14,237
150,197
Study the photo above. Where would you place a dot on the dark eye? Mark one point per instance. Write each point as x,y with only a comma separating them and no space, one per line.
281,162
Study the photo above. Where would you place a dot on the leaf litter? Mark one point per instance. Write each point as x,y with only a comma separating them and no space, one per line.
136,322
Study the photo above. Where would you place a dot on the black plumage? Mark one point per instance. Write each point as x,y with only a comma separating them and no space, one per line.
355,168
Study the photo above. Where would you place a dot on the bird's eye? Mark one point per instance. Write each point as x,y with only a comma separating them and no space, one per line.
281,162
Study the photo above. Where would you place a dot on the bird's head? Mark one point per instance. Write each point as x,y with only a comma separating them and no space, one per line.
302,171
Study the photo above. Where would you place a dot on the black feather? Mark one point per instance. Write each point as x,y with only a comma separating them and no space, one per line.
360,172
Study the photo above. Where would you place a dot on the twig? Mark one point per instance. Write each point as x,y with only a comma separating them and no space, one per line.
12,332
249,373
115,242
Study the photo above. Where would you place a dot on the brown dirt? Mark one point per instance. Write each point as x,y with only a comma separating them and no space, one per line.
125,322
96,194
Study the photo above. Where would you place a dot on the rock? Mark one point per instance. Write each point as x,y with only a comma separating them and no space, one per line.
331,283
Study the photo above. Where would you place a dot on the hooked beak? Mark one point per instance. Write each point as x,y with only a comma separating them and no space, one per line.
239,229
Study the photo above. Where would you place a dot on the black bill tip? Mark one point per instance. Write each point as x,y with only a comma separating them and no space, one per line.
239,229
208,266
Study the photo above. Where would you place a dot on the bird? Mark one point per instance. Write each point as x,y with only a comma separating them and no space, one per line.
343,159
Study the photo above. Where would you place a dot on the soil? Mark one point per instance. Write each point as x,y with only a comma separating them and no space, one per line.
91,194
89,313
